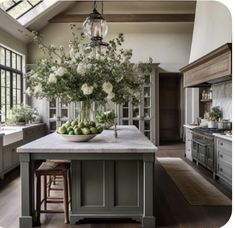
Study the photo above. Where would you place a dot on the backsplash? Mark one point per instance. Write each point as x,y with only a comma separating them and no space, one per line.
222,96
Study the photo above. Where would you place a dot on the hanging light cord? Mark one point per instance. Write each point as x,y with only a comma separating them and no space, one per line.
95,5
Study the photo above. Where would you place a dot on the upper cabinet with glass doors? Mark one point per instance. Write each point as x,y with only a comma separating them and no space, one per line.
142,115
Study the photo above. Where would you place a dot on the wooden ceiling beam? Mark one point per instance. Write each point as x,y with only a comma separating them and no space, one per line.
72,18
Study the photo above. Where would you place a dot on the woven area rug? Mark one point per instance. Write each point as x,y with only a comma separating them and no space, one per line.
195,188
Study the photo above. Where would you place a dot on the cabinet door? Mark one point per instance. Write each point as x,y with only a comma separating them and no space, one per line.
7,157
59,113
210,157
142,115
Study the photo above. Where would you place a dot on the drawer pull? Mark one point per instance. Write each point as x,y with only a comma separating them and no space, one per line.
221,144
221,169
221,155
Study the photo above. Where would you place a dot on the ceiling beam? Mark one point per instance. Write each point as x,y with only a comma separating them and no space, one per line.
72,18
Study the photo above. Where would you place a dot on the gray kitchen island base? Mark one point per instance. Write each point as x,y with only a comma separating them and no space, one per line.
111,178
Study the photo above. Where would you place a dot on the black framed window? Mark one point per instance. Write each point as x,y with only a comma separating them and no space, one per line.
11,83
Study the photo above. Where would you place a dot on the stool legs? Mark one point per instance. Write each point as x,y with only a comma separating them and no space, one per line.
66,200
45,192
38,199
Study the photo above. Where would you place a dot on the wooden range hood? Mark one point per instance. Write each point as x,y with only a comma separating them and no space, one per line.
212,68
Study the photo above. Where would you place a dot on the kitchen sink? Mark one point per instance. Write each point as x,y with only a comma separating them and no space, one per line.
11,135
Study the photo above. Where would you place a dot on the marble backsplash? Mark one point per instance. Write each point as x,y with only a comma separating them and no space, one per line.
222,96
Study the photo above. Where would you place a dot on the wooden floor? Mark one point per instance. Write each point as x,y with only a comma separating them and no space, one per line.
171,208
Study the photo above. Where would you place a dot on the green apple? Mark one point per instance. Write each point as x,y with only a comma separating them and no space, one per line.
99,129
62,130
93,130
71,132
81,125
74,122
85,131
78,131
92,124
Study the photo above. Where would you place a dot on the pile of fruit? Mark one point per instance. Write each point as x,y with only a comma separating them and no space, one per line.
79,128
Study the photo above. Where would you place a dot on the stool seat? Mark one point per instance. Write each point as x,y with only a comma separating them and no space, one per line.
52,168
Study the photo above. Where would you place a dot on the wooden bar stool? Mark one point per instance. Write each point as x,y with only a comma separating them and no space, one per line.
50,168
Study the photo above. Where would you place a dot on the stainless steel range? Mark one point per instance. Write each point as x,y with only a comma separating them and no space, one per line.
203,146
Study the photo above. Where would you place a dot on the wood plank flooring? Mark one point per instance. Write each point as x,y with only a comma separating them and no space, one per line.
171,208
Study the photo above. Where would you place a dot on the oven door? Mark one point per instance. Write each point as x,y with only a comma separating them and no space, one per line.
199,151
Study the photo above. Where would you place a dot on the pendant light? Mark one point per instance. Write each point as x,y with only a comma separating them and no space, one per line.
95,27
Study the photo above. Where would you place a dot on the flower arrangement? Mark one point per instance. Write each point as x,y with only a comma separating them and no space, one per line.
78,75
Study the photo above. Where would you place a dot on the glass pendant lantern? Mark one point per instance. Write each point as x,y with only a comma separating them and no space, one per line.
95,27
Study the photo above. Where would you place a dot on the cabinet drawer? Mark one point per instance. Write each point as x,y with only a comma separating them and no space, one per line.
225,169
226,157
225,146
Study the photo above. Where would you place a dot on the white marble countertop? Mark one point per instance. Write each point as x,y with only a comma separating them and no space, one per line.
226,137
190,126
129,140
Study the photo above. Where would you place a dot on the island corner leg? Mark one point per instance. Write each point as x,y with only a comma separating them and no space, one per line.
148,220
26,218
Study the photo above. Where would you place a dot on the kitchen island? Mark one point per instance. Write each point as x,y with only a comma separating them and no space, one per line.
111,177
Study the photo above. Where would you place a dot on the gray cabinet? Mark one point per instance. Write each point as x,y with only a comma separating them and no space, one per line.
224,159
58,113
143,116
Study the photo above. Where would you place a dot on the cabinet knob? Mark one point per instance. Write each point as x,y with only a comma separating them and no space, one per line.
221,144
221,155
221,169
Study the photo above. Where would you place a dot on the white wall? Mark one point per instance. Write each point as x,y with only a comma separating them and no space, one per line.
212,29
12,42
167,43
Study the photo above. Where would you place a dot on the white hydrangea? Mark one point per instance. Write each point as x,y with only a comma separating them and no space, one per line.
71,53
110,95
81,69
53,68
107,87
38,88
52,78
28,91
86,89
76,55
60,71
35,75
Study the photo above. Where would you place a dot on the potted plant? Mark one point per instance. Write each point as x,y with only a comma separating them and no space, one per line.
21,115
214,116
106,119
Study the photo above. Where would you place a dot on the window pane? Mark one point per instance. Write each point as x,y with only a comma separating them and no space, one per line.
3,111
19,62
19,9
6,4
19,97
2,55
8,58
8,96
19,81
14,81
2,77
3,95
8,79
13,60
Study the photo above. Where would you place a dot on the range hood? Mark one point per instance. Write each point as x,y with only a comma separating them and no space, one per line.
212,68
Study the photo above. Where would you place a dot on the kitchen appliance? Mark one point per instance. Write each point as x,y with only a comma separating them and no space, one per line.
203,146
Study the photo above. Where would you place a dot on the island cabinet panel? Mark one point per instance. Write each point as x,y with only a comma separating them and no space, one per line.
107,185
92,183
125,178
